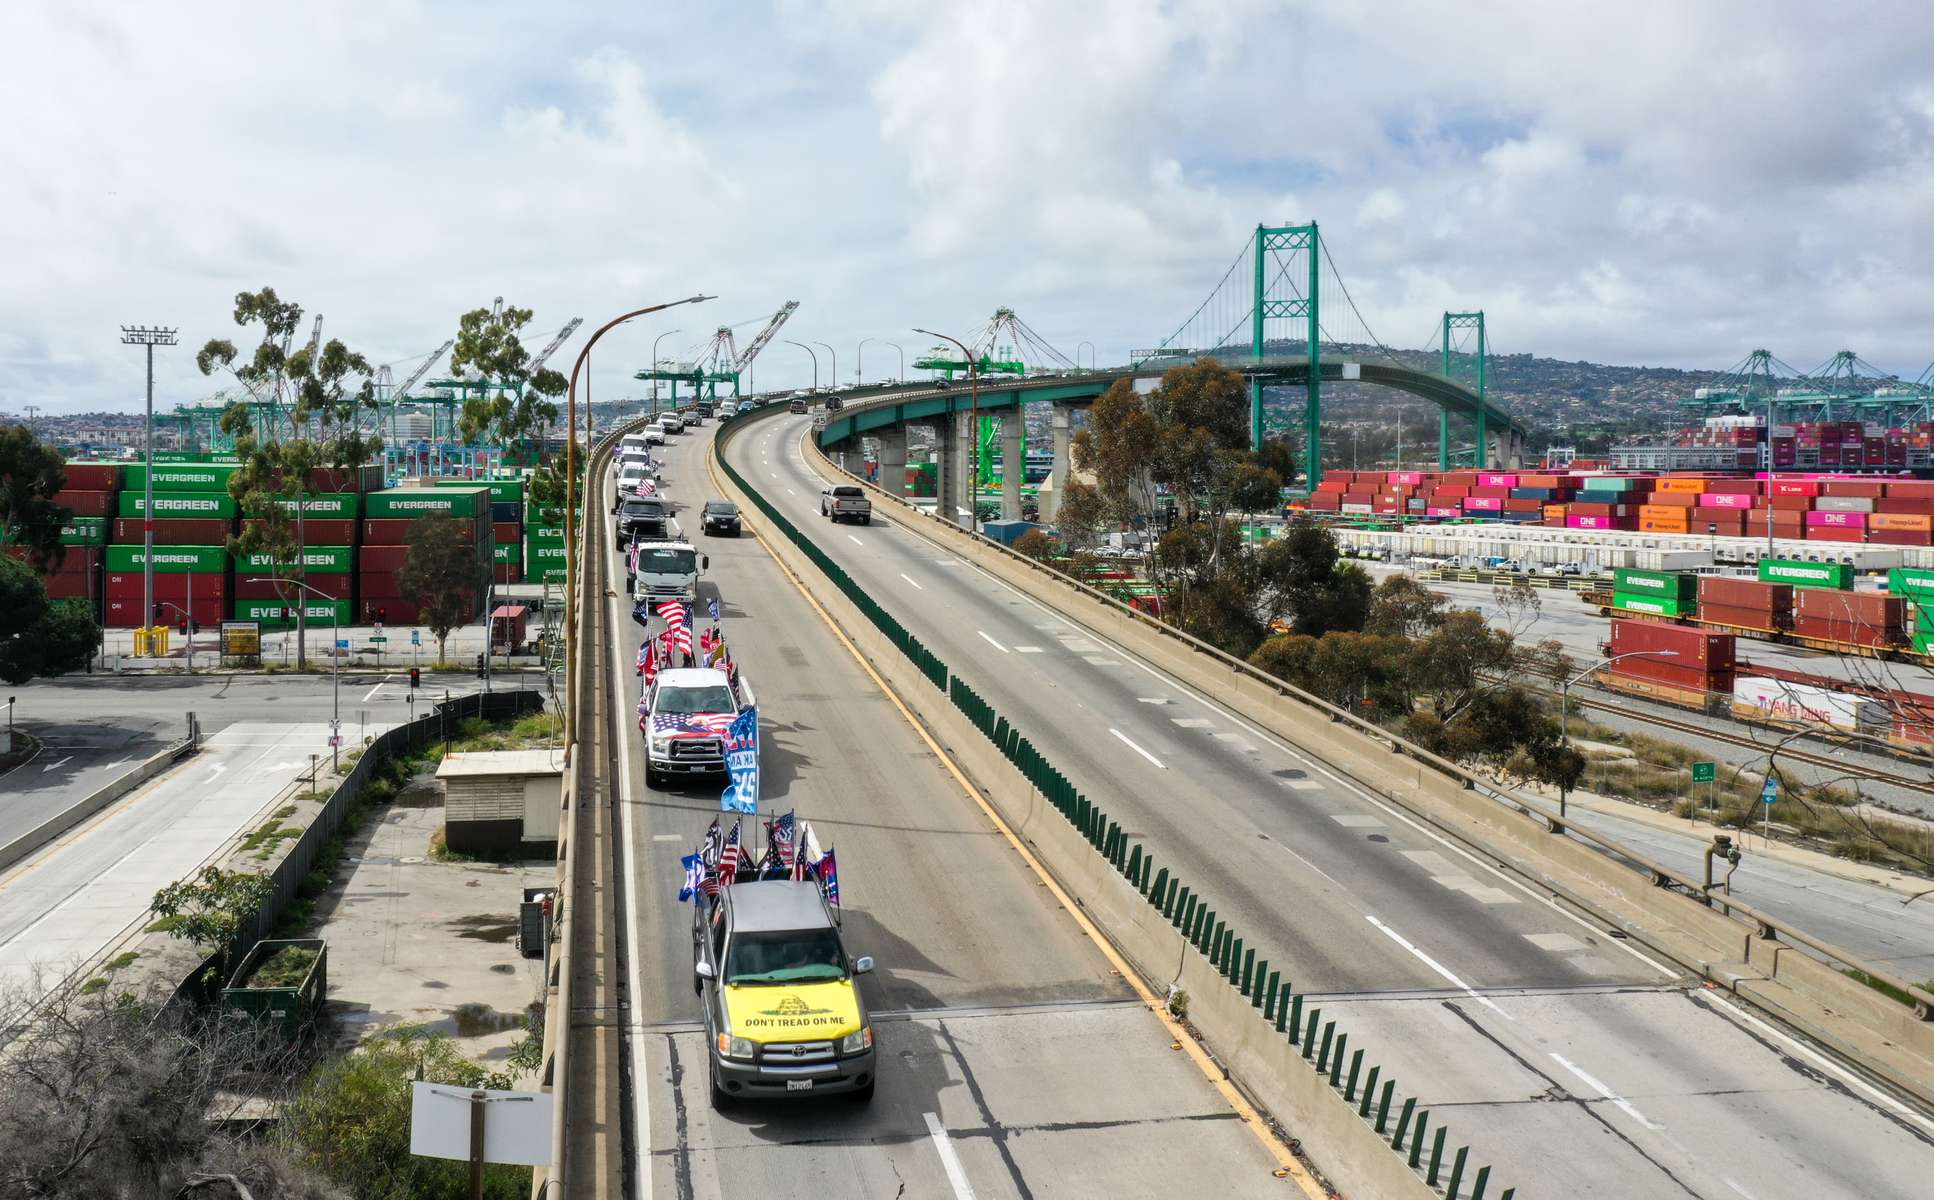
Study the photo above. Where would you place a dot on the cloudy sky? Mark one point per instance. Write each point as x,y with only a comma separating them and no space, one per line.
1669,183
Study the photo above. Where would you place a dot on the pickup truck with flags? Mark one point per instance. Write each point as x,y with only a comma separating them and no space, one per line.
783,1012
685,714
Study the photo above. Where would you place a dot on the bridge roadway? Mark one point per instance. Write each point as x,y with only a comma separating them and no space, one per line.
1572,1061
1014,1061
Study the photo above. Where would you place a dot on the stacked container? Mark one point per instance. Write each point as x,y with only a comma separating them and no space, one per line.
1916,587
506,521
1655,593
1679,660
1805,574
1745,603
1859,618
386,526
544,546
189,581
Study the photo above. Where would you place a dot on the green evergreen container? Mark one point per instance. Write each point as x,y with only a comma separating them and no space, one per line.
507,552
1658,606
84,531
318,560
1635,582
404,504
275,614
540,556
1911,583
1924,641
328,506
1805,574
168,560
179,477
547,575
502,491
178,504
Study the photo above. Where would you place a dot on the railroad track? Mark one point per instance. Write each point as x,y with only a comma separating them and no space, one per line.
1827,761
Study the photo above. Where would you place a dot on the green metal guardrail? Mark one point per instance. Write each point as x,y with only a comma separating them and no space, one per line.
1321,1043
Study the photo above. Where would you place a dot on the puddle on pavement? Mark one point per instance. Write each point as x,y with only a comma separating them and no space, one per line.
485,927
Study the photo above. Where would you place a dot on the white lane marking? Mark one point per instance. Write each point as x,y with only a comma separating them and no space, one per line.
1557,943
640,1100
1880,1098
1192,722
909,579
1436,966
1735,1187
665,837
944,1146
1356,821
1619,1102
1303,785
1387,808
790,492
215,769
1095,661
1123,738
854,540
990,641
1027,650
118,763
1152,699
50,766
371,693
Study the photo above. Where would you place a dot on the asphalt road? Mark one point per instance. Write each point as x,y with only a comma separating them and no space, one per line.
1571,1061
1012,1061
98,727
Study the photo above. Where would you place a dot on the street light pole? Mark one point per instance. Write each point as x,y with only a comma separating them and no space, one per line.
902,377
335,650
832,362
815,358
1564,702
571,481
973,428
1091,355
859,360
148,336
654,367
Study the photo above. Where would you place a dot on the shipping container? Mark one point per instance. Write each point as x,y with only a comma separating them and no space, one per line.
397,533
1731,591
331,506
1654,583
317,532
315,560
1805,574
92,477
279,614
1756,697
86,504
268,587
1870,608
1697,649
179,504
179,477
173,560
403,504
502,491
1912,583
1655,605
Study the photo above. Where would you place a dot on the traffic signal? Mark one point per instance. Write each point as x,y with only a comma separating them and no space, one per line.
416,678
380,610
157,615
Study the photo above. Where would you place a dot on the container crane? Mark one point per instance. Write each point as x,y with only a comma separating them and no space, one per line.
720,360
1004,345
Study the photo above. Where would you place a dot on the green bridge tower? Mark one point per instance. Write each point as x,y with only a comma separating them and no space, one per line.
1481,458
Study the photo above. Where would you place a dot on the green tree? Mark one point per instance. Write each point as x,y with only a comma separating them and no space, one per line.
1079,515
1304,580
441,573
31,472
209,909
1117,446
1460,661
351,1121
1036,545
39,637
515,409
280,455
1402,607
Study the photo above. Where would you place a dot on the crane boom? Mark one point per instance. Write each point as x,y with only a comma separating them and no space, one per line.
765,335
544,355
417,375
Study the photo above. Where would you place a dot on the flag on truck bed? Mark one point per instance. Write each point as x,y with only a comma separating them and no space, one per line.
741,748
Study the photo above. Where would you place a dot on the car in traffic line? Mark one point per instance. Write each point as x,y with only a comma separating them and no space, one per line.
684,715
720,517
783,1011
844,502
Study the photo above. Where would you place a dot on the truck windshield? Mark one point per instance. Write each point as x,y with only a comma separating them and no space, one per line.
800,956
715,699
667,562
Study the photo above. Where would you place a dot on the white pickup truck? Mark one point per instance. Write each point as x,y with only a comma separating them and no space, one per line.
684,716
844,502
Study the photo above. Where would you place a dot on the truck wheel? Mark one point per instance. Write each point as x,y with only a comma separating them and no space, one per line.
867,519
721,1099
652,778
864,1096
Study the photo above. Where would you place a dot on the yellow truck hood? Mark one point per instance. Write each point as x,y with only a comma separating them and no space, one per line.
792,1012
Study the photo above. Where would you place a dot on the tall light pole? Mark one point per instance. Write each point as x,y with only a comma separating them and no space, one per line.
815,358
902,376
973,429
654,366
571,480
859,360
1564,702
832,361
149,336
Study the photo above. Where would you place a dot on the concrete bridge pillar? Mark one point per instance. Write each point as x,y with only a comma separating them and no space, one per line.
1061,425
954,456
1013,468
893,460
1507,448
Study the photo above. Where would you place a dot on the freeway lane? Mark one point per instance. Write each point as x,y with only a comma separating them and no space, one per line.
1013,1061
1476,991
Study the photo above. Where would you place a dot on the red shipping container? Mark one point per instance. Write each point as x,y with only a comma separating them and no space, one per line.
1835,533
1910,489
380,560
1735,592
1872,489
1905,507
86,504
172,531
77,560
169,587
507,533
1899,537
93,477
72,587
321,531
1692,647
1852,632
1748,618
1326,501
1870,608
1664,671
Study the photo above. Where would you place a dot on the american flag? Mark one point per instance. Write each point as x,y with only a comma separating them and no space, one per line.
783,831
729,856
828,872
644,655
676,622
693,725
647,488
713,722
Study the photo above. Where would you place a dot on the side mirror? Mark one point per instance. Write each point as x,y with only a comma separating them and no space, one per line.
704,562
703,970
863,964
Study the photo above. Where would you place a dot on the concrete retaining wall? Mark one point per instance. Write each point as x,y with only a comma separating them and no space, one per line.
73,815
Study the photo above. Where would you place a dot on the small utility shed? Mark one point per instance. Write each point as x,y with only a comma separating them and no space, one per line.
499,802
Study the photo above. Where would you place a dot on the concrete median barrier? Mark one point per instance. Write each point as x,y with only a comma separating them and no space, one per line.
64,820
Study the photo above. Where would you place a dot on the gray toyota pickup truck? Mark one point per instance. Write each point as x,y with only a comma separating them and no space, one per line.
845,502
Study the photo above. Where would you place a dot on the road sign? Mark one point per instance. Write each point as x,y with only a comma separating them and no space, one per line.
1704,772
377,639
416,637
342,643
335,741
1770,792
241,638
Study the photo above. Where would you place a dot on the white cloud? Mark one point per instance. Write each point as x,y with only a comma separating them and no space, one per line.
1663,183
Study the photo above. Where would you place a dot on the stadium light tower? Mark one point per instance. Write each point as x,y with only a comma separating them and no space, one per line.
149,336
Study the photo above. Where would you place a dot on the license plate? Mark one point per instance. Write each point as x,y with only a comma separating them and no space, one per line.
799,1085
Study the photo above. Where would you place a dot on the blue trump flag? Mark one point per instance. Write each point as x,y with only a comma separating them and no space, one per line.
712,606
694,873
742,762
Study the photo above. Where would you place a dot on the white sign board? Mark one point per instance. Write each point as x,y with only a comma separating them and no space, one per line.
517,1125
1352,370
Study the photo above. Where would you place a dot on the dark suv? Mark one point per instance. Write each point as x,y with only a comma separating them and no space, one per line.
721,517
